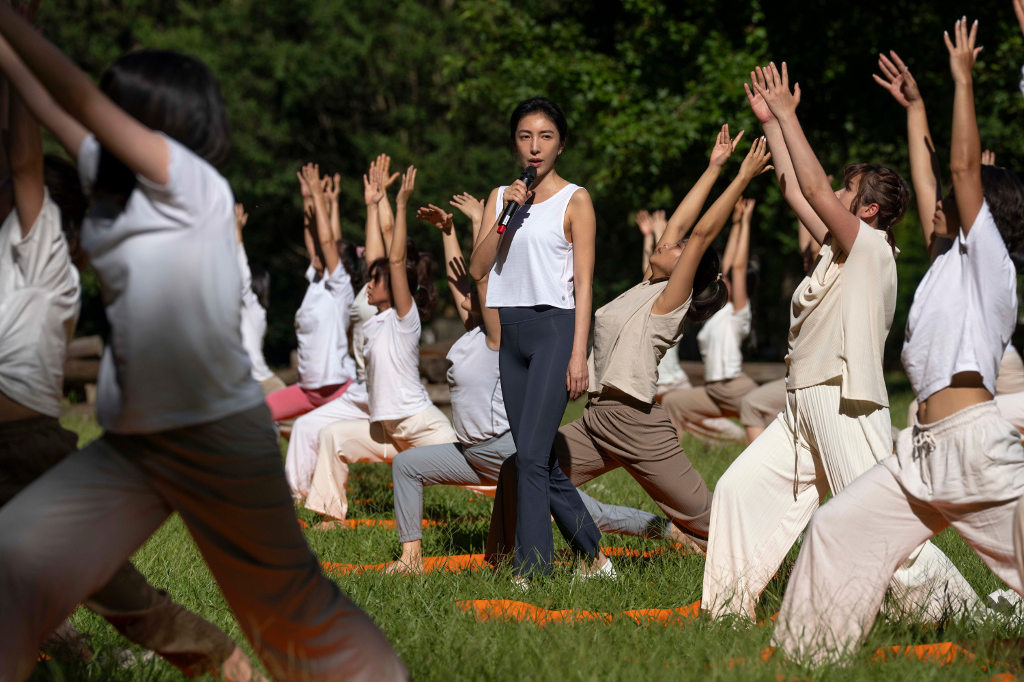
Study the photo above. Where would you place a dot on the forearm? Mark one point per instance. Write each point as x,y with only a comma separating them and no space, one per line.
645,260
965,148
386,221
923,167
26,163
397,251
452,257
374,246
335,221
730,246
684,217
712,222
485,253
786,176
584,306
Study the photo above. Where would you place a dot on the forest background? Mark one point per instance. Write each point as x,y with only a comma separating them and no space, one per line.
645,84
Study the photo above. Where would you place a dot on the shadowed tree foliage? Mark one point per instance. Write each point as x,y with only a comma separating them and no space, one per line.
644,83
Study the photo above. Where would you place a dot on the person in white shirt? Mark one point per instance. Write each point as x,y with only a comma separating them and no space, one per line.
836,425
186,428
720,341
478,414
401,413
963,464
321,323
254,313
39,301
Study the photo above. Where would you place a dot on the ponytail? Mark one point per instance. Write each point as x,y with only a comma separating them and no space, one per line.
709,292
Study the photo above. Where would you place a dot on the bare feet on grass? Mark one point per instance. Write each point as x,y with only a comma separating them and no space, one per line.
690,546
238,668
411,561
329,523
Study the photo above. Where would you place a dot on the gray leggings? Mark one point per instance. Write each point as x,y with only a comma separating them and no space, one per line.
479,464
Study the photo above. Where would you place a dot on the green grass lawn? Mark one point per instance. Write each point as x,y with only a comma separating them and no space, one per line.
440,642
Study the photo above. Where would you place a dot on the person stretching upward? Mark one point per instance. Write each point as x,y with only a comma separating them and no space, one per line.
401,413
836,425
622,425
186,428
721,339
963,464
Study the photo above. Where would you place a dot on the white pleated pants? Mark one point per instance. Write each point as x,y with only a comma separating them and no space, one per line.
821,443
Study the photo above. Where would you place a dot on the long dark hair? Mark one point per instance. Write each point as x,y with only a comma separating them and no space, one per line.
61,178
169,92
1005,196
537,105
709,292
419,270
348,254
261,284
882,186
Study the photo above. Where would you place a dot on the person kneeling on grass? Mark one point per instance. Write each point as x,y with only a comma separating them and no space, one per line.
481,423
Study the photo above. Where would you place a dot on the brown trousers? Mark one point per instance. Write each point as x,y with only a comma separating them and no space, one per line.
710,401
139,611
616,432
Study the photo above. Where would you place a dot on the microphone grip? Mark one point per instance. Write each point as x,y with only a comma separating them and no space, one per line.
506,216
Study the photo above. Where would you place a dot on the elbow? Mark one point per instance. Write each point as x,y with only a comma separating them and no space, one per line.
961,167
477,273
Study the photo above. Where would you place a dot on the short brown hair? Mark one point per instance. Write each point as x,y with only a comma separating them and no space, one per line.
882,186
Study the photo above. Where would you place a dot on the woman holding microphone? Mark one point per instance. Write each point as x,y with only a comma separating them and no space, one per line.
534,267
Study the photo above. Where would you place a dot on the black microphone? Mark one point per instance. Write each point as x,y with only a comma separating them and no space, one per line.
528,176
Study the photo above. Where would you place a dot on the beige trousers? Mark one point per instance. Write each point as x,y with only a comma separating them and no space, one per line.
821,443
965,471
689,408
760,407
346,442
272,385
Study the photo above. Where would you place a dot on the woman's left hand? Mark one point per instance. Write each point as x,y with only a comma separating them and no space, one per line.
577,378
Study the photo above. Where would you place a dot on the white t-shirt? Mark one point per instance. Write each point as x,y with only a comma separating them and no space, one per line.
670,372
478,409
168,267
359,313
39,301
254,321
720,340
964,311
391,346
321,325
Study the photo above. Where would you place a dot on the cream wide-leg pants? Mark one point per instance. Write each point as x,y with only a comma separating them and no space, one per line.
347,442
761,504
965,471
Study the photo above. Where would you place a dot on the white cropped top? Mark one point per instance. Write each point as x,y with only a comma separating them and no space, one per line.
534,265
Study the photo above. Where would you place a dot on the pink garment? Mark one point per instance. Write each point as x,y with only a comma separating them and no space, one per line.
296,401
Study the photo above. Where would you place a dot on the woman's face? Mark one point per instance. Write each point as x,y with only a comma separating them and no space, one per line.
377,293
665,257
848,194
946,220
538,143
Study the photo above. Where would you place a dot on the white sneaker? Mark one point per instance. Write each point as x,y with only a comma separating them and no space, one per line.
521,584
607,571
1006,602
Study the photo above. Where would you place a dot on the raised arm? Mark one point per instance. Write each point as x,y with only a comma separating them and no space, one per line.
308,217
332,188
583,229
734,234
400,293
841,224
385,216
680,282
69,132
924,163
458,279
144,151
324,237
475,211
26,164
689,208
784,172
965,150
472,208
742,257
374,248
643,223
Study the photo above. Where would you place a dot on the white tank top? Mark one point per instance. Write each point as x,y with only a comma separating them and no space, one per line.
534,264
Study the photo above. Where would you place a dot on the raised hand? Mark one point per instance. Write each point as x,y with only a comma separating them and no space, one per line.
659,224
724,146
962,53
436,217
518,193
332,188
643,221
408,184
760,108
773,86
988,158
384,165
311,176
241,218
372,190
303,185
756,161
748,208
898,80
469,205
737,210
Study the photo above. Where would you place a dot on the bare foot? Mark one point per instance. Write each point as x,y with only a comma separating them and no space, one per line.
690,546
238,668
329,524
405,566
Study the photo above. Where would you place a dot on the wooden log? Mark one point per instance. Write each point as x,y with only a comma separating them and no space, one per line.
86,347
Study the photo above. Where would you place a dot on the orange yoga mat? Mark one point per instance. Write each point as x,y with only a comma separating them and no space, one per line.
517,611
431,564
381,523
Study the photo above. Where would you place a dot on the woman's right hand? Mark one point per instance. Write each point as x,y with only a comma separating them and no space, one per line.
437,217
898,81
311,179
372,190
469,205
757,158
643,221
773,86
518,193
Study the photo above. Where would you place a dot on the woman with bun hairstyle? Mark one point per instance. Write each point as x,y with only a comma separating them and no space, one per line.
540,272
836,425
622,424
